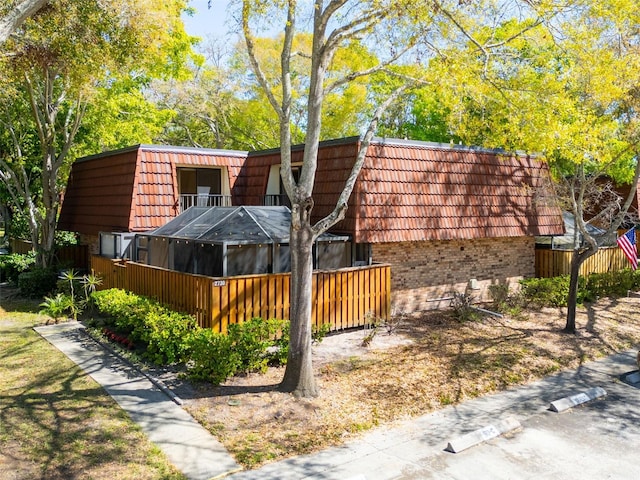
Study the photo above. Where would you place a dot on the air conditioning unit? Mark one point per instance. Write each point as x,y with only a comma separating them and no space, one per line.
116,244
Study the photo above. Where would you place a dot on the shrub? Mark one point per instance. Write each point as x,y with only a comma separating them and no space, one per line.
165,333
37,282
554,292
172,337
127,311
16,263
256,343
89,284
609,284
546,292
64,238
462,304
318,333
56,307
278,353
503,300
212,357
248,347
499,294
162,330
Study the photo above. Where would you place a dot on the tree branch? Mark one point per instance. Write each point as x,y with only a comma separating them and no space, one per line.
351,29
362,73
255,66
285,119
340,210
17,15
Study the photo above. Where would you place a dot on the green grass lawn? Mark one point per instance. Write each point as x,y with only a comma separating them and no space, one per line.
55,421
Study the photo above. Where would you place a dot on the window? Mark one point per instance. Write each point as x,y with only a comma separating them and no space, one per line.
202,187
199,181
362,254
295,170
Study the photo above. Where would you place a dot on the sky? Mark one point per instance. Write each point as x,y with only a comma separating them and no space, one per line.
207,21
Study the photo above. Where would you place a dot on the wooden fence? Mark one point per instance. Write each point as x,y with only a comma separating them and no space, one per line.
551,263
72,256
342,298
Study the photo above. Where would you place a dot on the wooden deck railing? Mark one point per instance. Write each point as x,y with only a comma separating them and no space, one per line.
342,298
552,263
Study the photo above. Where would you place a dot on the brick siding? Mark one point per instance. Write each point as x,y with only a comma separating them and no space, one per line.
425,274
93,242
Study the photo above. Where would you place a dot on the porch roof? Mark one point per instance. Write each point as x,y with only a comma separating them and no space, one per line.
234,225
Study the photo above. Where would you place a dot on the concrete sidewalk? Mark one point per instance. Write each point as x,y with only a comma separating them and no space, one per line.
191,448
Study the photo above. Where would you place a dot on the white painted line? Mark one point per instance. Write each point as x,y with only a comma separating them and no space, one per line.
569,402
482,435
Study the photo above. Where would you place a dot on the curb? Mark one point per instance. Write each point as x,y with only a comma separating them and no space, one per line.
566,403
482,435
158,383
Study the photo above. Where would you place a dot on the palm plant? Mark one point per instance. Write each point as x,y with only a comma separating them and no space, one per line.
56,307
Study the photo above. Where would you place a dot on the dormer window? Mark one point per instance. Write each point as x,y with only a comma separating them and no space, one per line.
204,187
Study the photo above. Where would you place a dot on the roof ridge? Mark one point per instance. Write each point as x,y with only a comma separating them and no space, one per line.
448,146
195,150
243,207
148,147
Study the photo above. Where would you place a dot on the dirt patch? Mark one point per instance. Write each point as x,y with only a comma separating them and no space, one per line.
430,361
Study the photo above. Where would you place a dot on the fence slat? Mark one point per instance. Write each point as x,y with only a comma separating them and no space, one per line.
342,298
553,263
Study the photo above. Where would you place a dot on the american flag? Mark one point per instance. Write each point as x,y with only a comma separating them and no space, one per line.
627,243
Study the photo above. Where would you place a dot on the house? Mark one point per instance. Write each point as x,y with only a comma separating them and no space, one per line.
445,217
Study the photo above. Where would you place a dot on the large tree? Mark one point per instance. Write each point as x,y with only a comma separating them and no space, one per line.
61,58
224,106
567,90
392,28
602,50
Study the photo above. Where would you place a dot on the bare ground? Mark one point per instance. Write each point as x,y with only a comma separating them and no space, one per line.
432,360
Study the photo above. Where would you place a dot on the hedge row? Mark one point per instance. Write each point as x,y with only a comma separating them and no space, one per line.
169,337
554,292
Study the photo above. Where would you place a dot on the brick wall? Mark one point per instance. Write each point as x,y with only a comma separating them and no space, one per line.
424,274
93,241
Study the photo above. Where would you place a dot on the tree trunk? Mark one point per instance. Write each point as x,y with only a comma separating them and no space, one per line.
298,377
47,241
577,259
5,213
570,326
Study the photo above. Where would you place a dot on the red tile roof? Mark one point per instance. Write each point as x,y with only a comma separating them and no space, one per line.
407,191
413,191
133,189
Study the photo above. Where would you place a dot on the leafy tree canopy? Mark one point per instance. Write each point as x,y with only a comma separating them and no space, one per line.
70,58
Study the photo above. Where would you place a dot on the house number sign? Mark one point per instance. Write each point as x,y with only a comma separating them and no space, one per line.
219,283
